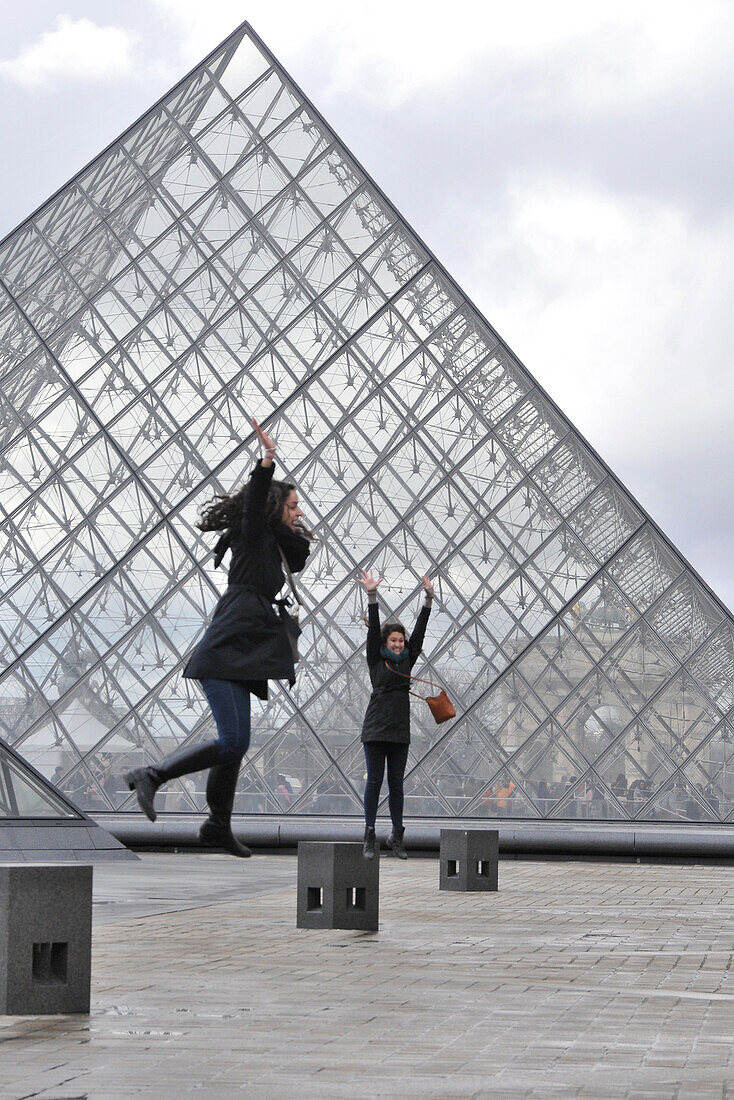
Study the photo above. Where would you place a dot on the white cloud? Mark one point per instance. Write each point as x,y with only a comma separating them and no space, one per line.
610,299
567,57
558,58
201,27
77,50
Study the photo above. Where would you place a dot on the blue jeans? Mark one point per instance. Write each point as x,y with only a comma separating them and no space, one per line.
230,705
375,754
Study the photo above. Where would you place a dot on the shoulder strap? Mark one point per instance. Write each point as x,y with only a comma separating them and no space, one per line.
289,575
408,676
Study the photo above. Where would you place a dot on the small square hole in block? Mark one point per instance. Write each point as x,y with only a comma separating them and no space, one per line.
483,868
356,897
452,867
315,899
50,963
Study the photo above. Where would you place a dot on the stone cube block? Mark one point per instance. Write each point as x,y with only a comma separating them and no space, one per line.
45,938
337,887
469,859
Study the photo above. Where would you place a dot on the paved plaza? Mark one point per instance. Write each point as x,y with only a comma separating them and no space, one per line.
576,979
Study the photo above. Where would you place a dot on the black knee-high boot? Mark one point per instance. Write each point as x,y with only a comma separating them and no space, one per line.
146,781
370,843
216,832
395,841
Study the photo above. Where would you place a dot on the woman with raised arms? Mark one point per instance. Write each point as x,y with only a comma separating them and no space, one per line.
247,642
391,655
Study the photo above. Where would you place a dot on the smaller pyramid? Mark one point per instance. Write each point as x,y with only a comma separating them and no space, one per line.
39,824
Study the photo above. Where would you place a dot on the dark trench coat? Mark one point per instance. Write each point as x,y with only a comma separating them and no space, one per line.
388,711
246,639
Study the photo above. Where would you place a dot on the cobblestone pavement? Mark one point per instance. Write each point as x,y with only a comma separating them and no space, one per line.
575,979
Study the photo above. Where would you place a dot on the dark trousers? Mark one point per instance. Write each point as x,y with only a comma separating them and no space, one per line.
376,753
230,705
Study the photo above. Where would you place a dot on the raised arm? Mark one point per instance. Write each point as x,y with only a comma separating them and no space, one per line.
374,641
253,516
415,645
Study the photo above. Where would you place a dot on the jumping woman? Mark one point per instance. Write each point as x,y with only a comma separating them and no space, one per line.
386,727
246,643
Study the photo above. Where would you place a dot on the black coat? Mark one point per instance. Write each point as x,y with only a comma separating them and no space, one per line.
388,711
246,639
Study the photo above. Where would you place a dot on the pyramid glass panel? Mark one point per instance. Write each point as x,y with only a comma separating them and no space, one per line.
24,794
709,770
227,256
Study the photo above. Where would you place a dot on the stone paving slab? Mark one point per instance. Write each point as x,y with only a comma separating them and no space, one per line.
574,980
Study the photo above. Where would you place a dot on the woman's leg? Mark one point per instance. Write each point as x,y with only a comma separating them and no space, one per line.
230,704
374,755
146,781
230,746
397,758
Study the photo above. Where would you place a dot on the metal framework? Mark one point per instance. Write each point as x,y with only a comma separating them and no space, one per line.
25,794
228,256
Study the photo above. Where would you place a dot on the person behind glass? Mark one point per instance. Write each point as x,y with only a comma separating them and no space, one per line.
386,727
246,643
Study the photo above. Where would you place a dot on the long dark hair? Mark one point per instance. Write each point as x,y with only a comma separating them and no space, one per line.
225,510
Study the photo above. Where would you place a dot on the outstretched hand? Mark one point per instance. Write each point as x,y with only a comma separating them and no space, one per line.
428,586
369,582
266,442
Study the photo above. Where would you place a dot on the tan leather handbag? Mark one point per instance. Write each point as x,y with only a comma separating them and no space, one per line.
440,705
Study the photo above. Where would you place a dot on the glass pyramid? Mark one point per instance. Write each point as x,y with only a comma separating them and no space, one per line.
227,256
24,794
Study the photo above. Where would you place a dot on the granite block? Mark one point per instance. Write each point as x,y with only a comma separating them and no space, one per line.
337,887
468,859
45,938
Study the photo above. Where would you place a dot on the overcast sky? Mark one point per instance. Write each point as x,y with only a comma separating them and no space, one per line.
570,164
